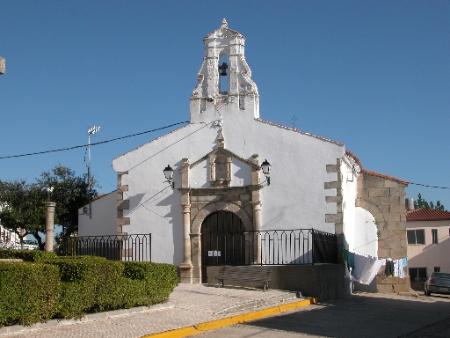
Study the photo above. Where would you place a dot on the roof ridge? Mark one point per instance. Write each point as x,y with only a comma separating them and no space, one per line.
299,131
388,177
424,214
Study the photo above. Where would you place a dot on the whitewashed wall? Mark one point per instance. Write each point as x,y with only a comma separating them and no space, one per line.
365,239
103,221
360,229
349,186
295,199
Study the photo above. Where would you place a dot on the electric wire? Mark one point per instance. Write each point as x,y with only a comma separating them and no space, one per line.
93,143
430,186
48,151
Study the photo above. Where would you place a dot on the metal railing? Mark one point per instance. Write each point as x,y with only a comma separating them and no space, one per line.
133,247
270,247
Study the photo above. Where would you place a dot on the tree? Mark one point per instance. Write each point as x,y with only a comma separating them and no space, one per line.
420,202
70,192
24,211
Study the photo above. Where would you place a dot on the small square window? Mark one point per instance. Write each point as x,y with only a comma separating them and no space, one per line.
437,269
416,236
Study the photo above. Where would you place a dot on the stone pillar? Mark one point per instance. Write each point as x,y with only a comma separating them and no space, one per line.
49,224
186,266
257,208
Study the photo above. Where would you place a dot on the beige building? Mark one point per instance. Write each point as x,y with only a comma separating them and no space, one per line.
428,233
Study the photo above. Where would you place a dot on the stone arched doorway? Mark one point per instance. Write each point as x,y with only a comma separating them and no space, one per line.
222,240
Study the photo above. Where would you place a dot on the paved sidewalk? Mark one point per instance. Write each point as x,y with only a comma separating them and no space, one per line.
187,305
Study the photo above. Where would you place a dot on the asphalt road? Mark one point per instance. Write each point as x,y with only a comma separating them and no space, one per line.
359,316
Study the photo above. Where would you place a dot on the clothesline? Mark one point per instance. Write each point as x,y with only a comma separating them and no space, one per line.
364,269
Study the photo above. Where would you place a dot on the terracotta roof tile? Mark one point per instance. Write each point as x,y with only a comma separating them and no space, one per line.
427,215
387,177
374,173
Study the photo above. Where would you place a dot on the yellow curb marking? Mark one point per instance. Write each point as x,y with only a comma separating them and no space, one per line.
232,320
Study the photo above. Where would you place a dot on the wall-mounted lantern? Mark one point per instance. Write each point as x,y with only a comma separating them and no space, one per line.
265,167
168,174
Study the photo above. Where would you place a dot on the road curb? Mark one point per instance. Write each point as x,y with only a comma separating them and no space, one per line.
232,320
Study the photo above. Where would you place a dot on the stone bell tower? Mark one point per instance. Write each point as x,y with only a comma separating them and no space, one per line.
224,78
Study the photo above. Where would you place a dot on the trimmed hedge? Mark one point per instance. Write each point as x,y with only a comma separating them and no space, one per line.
158,280
91,284
29,293
27,255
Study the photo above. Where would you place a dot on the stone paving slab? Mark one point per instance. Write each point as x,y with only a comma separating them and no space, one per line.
187,305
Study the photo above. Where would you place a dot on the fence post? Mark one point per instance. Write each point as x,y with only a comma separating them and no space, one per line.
313,246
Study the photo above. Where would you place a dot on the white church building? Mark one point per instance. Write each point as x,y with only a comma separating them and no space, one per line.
229,170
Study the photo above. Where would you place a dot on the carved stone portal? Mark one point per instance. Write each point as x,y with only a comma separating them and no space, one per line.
198,203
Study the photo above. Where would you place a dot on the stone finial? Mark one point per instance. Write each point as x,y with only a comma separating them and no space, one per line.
220,139
255,159
184,162
224,23
3,65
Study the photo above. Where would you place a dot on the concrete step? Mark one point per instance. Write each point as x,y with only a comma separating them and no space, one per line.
259,303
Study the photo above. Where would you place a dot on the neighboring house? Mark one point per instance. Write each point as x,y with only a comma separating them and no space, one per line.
315,183
8,238
428,233
98,218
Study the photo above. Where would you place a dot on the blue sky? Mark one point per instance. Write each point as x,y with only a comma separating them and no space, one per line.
374,75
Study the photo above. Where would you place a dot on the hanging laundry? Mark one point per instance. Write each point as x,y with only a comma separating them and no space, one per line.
401,267
349,259
366,268
389,270
396,269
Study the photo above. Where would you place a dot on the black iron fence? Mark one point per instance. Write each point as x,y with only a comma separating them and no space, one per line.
134,247
269,247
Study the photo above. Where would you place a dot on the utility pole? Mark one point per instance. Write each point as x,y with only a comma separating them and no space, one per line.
91,132
2,66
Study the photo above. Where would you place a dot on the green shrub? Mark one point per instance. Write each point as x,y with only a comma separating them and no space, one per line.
29,293
88,284
158,280
27,255
77,285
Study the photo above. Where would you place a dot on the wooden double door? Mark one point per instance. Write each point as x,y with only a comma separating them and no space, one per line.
223,240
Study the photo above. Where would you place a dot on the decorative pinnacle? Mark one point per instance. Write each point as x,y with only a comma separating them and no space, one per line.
220,140
224,23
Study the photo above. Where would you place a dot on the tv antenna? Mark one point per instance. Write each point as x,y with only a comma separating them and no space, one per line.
91,132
